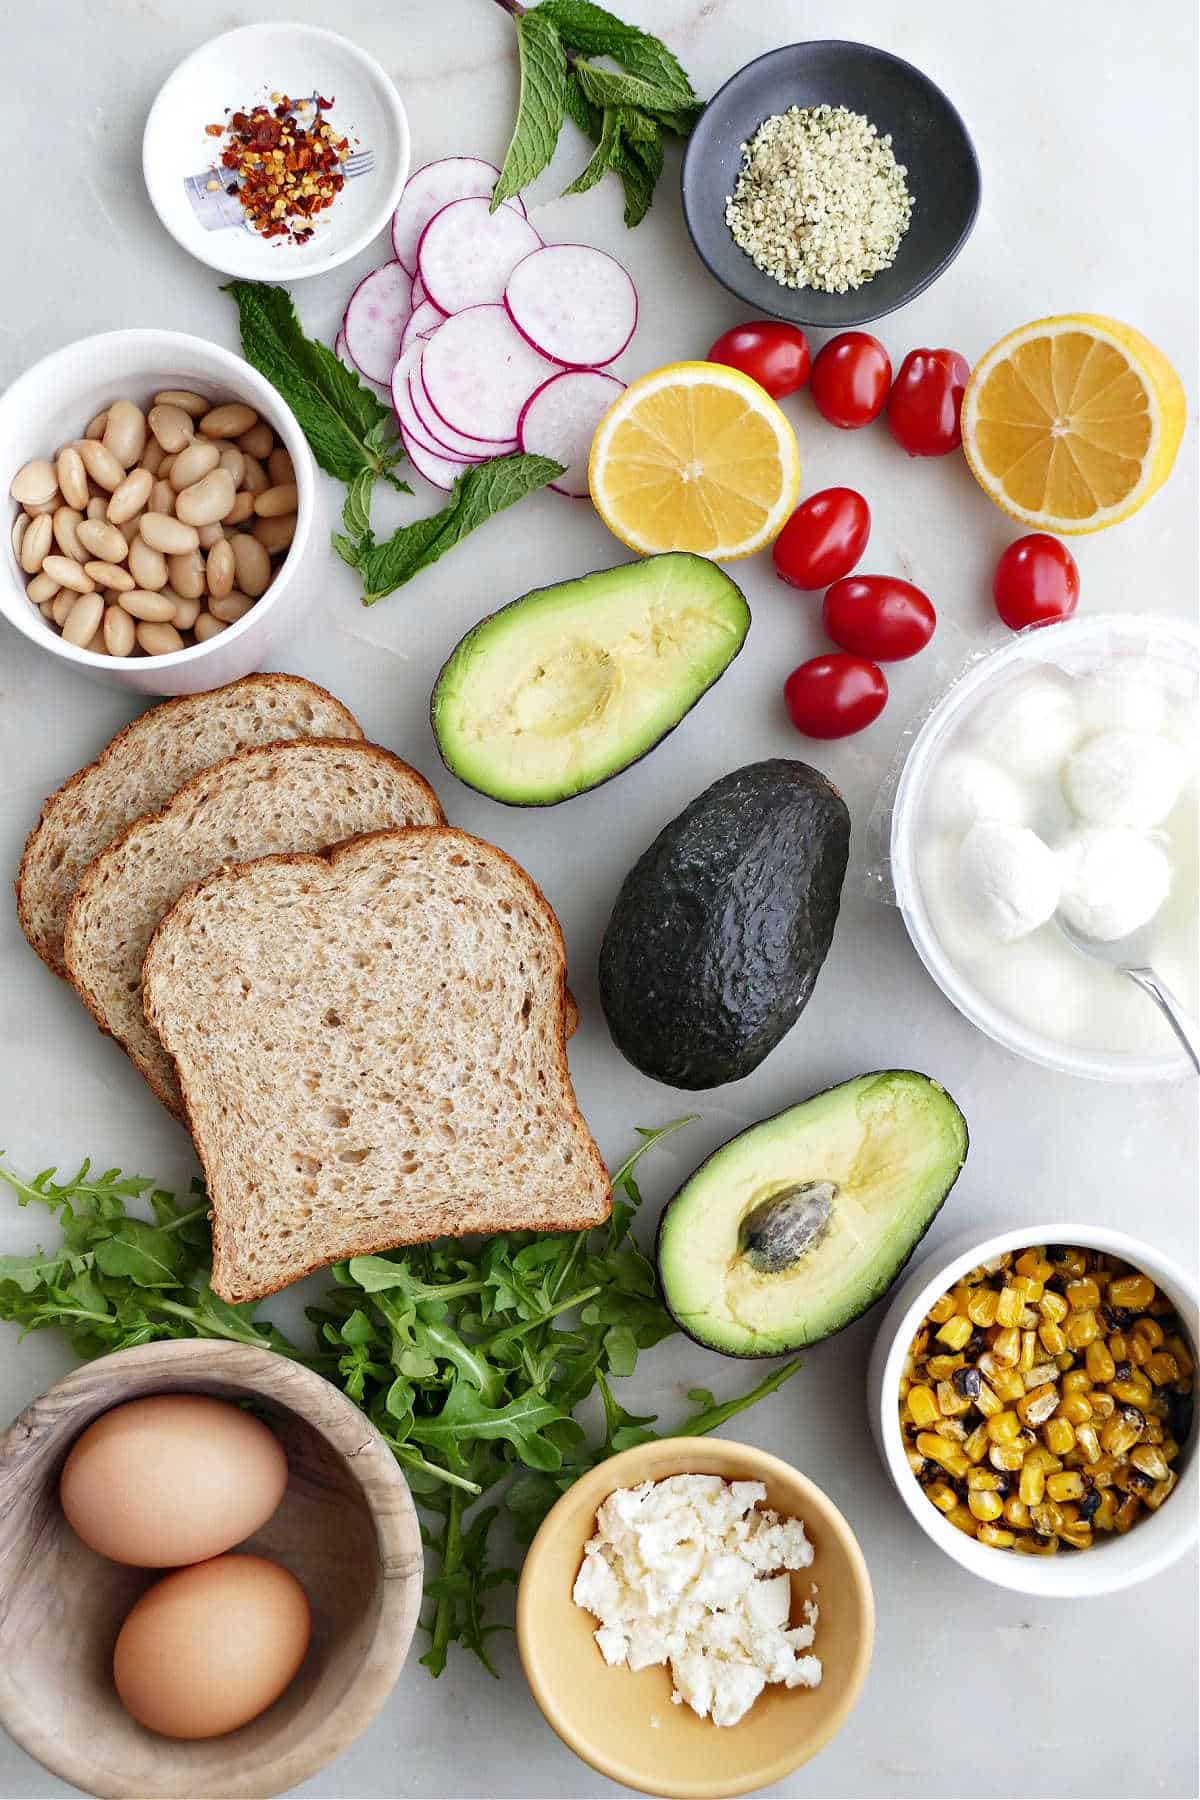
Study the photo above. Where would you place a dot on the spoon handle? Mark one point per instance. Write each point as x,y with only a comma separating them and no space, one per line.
1184,1028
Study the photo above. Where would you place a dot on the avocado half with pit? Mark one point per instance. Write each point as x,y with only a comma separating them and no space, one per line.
796,1226
567,686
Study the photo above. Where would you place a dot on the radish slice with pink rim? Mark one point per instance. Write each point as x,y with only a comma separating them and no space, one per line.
467,253
423,324
376,315
574,304
478,371
449,441
342,354
419,293
430,188
437,470
560,421
410,421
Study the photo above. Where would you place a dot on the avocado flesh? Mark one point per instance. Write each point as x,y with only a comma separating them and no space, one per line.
890,1144
570,684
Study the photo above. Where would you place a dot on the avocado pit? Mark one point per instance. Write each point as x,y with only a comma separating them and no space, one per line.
779,1231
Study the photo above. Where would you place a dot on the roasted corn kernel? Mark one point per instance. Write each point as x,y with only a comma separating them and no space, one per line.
922,1407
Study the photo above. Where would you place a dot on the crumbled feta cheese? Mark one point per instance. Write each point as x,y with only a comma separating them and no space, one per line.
691,1572
821,201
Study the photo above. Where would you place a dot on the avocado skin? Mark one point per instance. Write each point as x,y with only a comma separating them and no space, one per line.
720,929
869,1300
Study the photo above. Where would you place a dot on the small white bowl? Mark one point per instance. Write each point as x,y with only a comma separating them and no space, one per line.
51,404
1155,1541
235,73
1078,646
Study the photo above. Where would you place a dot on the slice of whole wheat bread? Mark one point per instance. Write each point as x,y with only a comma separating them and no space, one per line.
371,1049
300,795
140,770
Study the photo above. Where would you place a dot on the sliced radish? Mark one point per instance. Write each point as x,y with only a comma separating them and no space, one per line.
467,253
423,324
419,293
375,321
449,441
342,354
478,372
429,189
560,420
410,422
436,469
574,304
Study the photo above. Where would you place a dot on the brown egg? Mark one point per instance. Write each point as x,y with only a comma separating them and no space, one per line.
172,1479
207,1649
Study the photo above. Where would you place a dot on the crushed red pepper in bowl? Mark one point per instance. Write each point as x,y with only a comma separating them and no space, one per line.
287,168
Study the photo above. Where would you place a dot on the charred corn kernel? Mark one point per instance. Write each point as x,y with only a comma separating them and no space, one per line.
1059,1434
942,1495
1006,1345
1139,1350
1154,1433
1083,1295
984,1506
1047,1518
940,1368
1009,1384
1105,1516
1053,1307
1118,1346
1082,1328
1043,1459
922,1407
1035,1546
984,1479
960,1295
988,1402
1154,1497
950,1402
1102,1472
1179,1351
943,1452
1070,1261
1064,1360
1054,1340
1034,1409
1099,1362
1134,1390
955,1332
1103,1405
1127,1513
1029,1350
951,1428
1032,1486
960,1516
1029,1319
1170,1449
1076,1381
981,1306
1029,1289
1016,1512
1151,1461
1151,1330
916,1461
996,1537
1009,1306
1077,1408
975,1448
1161,1367
1034,1264
1039,1375
1006,1457
1130,1290
1119,1435
1003,1427
1077,1533
941,1310
1087,1441
1067,1485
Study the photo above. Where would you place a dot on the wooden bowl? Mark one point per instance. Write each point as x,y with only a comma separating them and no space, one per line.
623,1722
346,1528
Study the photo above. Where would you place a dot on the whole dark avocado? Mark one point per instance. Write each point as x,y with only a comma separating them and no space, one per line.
720,928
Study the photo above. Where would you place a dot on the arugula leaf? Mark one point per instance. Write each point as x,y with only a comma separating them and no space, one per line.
540,107
479,494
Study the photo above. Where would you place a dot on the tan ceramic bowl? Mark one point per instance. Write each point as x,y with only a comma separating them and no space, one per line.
346,1528
623,1723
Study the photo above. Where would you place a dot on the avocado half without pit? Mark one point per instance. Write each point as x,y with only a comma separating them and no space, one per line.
796,1226
567,686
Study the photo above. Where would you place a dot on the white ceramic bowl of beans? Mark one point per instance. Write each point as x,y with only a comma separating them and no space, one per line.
1155,1541
51,404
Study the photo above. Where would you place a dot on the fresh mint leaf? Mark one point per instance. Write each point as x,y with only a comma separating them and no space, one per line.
595,32
356,513
540,107
347,548
612,87
602,160
485,490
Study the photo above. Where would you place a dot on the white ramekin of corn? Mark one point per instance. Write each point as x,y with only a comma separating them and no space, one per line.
1031,1396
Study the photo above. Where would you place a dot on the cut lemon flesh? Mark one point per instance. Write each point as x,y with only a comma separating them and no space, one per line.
695,457
1072,423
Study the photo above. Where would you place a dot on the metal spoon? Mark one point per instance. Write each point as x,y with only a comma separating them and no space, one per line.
1131,956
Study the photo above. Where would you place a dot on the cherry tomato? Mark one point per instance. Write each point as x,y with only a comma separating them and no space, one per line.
823,539
850,379
878,616
835,696
1036,582
925,402
768,351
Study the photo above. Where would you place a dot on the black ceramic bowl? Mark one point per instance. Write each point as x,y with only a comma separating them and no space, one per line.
928,137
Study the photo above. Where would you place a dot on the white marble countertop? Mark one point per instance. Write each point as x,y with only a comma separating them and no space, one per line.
1085,133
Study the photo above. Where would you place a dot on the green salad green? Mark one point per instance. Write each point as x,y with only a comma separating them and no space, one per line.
470,1357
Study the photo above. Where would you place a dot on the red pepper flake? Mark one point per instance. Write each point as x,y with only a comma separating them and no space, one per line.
287,170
